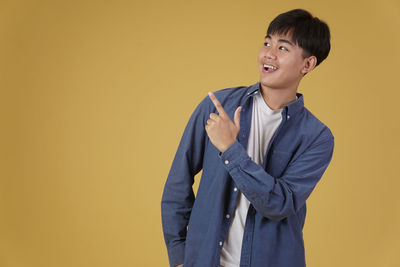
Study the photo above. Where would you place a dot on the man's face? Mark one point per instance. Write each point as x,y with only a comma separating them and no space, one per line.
286,63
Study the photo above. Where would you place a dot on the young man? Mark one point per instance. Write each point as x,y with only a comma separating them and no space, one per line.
262,153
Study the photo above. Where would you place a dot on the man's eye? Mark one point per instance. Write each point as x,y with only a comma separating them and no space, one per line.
283,48
266,44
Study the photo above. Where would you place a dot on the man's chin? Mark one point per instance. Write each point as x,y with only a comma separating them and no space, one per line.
271,85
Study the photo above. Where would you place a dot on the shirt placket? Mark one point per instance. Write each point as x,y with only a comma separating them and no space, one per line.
244,132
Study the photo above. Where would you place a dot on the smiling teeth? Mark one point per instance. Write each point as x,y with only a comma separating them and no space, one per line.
270,67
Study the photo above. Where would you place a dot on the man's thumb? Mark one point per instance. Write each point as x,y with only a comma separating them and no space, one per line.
236,116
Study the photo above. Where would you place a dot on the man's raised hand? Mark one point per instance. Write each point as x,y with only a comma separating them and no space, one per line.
220,128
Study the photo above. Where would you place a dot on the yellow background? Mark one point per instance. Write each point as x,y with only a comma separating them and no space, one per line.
95,96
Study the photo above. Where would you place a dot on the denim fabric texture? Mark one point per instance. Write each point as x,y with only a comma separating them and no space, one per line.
297,156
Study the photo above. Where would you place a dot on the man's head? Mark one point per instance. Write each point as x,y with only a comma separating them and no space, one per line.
307,31
295,43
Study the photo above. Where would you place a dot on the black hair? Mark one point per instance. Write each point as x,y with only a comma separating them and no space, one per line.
308,32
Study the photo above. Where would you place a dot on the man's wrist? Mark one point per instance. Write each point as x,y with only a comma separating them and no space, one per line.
233,155
226,147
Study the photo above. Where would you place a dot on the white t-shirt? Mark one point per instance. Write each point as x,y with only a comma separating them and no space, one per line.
264,122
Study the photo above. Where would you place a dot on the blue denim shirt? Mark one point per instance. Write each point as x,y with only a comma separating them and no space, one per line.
297,156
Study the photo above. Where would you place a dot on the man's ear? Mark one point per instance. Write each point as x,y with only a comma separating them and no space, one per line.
309,64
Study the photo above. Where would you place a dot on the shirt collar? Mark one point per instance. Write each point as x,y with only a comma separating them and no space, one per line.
291,108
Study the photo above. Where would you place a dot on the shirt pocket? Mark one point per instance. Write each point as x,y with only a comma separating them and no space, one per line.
278,162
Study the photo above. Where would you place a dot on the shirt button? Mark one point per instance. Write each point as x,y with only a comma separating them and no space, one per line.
226,162
228,216
235,189
288,116
220,243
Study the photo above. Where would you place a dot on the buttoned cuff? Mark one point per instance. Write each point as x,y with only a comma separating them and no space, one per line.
176,254
232,156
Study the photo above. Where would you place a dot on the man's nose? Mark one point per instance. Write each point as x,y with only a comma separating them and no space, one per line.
270,53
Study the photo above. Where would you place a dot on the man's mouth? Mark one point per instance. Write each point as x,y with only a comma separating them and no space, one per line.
269,68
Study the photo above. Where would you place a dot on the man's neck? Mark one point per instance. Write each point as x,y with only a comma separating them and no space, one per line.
277,98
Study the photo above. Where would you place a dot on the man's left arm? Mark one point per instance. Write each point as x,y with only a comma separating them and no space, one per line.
274,197
277,198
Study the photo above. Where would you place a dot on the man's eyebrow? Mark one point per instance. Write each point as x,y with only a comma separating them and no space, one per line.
281,40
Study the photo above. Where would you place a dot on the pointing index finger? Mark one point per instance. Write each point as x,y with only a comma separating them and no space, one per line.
217,104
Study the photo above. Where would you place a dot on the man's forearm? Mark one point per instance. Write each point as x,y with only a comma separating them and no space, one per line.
277,198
